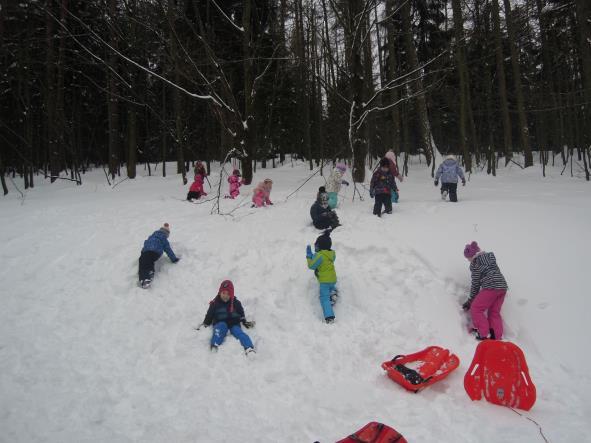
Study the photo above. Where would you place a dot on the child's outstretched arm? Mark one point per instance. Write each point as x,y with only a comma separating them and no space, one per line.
169,252
208,320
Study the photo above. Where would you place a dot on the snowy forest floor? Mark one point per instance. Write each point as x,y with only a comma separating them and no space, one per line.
87,356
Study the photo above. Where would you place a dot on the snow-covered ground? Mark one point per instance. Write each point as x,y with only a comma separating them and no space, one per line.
87,356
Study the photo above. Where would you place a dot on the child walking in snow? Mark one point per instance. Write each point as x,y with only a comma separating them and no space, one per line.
226,313
154,246
487,292
196,190
334,182
381,187
449,171
395,172
262,193
235,182
322,262
322,216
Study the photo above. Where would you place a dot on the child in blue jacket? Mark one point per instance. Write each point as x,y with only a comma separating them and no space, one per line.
154,246
322,262
226,313
449,171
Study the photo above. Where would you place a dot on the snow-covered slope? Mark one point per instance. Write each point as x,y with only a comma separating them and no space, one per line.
85,355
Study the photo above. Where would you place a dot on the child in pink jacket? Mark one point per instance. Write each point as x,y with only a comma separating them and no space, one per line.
262,193
235,182
196,190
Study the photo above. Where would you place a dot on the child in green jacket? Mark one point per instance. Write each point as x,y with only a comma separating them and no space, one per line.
323,264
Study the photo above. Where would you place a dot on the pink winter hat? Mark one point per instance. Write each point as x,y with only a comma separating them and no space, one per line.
341,167
471,250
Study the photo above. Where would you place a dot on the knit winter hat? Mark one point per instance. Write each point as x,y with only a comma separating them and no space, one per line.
166,228
384,162
227,285
324,242
341,167
236,172
471,250
268,181
450,157
321,190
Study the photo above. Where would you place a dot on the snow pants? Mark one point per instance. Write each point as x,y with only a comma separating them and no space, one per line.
451,189
489,300
382,199
221,329
325,290
333,199
193,195
331,220
146,265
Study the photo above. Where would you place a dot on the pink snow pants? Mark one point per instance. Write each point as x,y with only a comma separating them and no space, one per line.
489,300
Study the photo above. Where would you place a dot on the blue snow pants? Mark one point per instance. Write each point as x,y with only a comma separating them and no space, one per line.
325,290
221,329
394,197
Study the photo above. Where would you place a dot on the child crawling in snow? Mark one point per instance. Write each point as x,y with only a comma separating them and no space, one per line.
226,314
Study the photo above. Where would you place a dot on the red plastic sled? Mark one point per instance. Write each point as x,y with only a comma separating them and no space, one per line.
500,371
421,369
375,432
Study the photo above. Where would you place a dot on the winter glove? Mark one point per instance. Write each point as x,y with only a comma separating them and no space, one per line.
463,182
345,182
372,194
466,306
309,252
436,182
248,324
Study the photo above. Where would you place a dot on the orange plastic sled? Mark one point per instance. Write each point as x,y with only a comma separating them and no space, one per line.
421,369
500,371
375,432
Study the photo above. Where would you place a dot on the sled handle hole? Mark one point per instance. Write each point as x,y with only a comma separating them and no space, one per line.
474,370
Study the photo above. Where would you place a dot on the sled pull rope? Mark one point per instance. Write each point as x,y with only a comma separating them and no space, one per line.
532,420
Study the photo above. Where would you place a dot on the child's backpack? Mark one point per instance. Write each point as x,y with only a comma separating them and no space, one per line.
375,432
500,371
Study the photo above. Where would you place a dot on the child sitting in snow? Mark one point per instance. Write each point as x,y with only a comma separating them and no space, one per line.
334,182
322,262
226,313
235,182
196,190
322,216
381,186
487,292
262,193
449,171
395,172
154,246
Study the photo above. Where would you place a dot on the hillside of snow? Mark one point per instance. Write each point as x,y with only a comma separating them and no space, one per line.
87,356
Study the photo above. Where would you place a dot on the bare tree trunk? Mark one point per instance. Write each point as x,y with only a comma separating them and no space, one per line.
413,66
248,66
584,32
396,130
462,73
164,131
502,82
523,126
304,99
113,93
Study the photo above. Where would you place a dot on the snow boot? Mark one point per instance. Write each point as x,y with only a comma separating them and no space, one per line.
443,195
214,348
249,351
329,320
145,284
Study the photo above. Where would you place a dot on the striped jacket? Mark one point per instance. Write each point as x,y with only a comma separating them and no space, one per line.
485,274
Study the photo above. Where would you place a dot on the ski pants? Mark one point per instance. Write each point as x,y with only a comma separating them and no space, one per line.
489,300
452,189
221,329
329,221
382,199
146,265
193,195
333,199
325,290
